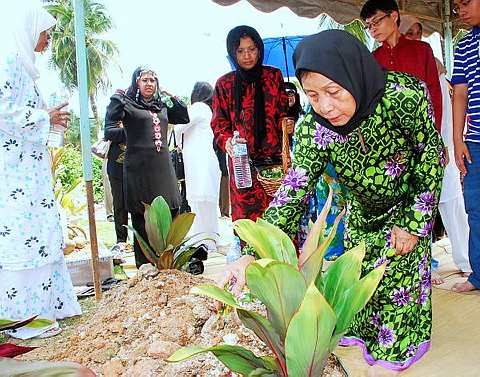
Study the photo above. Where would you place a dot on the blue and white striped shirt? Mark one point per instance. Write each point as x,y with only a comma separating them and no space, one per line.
466,70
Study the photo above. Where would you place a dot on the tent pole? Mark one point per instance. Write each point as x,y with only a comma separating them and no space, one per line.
447,33
82,78
285,56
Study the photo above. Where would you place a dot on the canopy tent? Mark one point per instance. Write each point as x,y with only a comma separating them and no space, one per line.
436,15
433,13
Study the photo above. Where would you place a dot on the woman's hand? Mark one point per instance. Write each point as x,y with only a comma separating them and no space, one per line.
235,274
290,125
402,241
229,145
59,117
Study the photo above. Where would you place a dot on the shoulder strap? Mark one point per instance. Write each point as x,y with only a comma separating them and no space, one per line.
172,136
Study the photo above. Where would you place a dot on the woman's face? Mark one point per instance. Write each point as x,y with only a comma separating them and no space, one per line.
247,53
43,41
329,100
415,32
291,98
147,84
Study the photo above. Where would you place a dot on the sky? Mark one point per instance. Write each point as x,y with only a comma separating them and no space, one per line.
182,40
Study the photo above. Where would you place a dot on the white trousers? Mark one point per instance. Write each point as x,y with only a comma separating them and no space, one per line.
455,222
206,222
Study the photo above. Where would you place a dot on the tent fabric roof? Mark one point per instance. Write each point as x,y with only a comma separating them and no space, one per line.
344,11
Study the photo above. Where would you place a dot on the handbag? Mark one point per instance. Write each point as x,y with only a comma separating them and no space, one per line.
177,157
100,148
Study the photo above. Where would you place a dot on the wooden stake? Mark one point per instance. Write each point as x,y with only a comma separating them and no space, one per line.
93,240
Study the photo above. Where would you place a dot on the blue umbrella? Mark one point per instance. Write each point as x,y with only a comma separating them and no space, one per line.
278,52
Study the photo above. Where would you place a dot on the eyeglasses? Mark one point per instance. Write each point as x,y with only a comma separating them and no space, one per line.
290,93
249,50
375,23
461,4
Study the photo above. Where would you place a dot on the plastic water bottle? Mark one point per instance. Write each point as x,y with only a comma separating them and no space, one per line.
235,250
56,136
241,165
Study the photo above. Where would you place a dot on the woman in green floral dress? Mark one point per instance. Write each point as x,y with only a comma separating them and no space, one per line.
377,130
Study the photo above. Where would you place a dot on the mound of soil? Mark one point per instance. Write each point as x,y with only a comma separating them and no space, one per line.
143,321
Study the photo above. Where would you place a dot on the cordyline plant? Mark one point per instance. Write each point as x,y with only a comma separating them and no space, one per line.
308,310
167,242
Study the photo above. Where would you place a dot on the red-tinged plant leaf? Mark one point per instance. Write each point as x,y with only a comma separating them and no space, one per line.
6,324
12,350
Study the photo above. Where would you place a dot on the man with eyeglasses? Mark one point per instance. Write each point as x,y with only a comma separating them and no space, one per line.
397,53
466,104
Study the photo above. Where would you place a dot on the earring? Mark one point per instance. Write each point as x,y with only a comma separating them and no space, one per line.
137,95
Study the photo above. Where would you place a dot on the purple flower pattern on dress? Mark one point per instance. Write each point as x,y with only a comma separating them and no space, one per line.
323,137
401,296
296,179
425,203
280,199
395,166
442,155
422,297
381,261
419,148
386,336
426,230
375,319
397,87
411,350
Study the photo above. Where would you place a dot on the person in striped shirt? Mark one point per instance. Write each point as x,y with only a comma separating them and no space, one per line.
466,104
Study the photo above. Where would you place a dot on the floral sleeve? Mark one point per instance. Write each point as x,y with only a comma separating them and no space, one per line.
428,169
221,123
20,116
310,160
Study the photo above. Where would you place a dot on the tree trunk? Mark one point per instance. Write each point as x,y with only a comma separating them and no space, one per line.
93,105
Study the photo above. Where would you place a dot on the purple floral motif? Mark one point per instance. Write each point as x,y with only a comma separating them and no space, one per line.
395,166
423,263
375,319
341,138
442,155
386,336
422,297
280,199
401,296
323,136
425,203
425,280
397,87
380,261
388,239
411,350
419,148
296,179
426,230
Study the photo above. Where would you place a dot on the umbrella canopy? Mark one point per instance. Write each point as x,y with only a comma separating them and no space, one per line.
278,52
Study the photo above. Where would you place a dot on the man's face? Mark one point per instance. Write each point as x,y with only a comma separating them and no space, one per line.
468,10
381,25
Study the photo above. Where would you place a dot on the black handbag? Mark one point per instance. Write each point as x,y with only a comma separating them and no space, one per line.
177,157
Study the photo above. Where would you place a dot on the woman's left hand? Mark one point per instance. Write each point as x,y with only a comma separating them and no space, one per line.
402,241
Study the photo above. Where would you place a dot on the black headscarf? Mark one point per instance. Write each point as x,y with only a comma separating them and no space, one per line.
133,92
296,110
253,75
202,92
344,59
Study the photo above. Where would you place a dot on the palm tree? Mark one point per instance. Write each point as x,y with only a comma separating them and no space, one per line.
100,52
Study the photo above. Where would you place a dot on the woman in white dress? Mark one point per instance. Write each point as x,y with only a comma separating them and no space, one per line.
202,171
34,280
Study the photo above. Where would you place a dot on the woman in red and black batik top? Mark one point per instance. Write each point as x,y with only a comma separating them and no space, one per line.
252,101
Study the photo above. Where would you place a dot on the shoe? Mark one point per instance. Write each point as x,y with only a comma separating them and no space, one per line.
110,218
201,253
50,333
195,267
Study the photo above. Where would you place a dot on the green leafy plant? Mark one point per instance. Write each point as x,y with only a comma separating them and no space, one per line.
167,242
308,311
